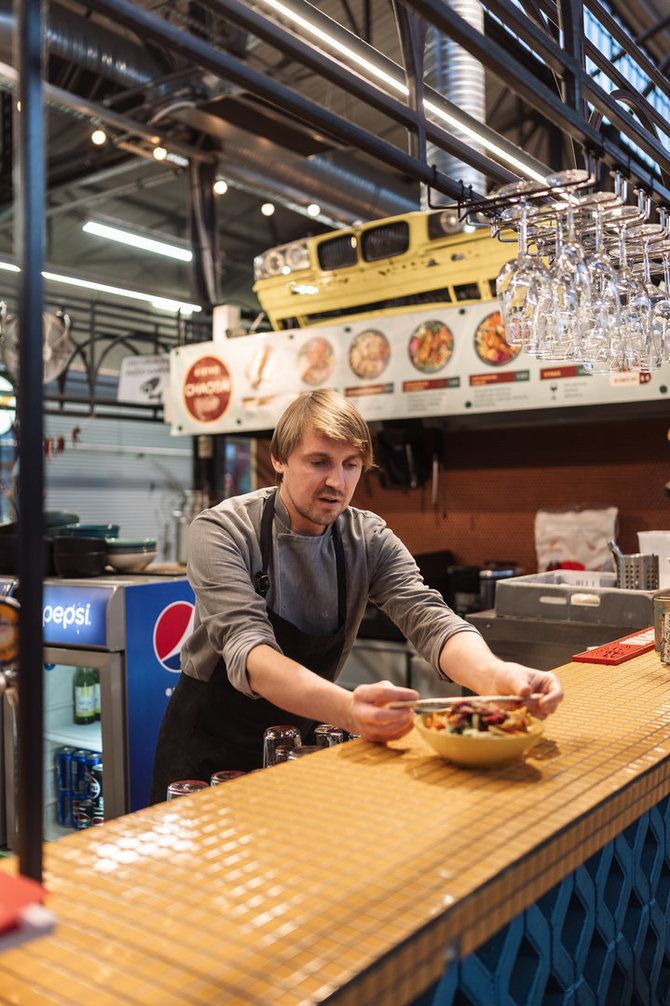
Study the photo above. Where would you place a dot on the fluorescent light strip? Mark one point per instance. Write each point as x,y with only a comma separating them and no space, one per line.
138,241
401,88
160,303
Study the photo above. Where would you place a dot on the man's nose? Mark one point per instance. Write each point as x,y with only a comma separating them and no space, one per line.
335,476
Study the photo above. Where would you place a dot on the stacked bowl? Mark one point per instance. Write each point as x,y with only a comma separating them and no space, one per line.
130,555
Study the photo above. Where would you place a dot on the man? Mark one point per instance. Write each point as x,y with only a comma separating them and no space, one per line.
281,579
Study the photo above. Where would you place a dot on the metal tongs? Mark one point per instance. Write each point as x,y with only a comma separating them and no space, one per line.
438,704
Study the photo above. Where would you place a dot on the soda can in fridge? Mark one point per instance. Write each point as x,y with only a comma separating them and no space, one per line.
63,759
79,772
64,811
94,783
82,813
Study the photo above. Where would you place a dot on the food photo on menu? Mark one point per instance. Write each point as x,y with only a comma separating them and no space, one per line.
369,354
430,346
316,359
491,345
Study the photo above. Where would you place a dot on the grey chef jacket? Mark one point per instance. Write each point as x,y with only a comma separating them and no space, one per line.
231,618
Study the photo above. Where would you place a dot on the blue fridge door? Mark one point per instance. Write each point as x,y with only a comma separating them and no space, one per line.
159,617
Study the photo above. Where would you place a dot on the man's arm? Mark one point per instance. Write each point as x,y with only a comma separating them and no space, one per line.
293,687
466,659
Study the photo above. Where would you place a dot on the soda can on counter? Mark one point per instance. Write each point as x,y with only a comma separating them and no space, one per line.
82,813
63,758
64,812
79,772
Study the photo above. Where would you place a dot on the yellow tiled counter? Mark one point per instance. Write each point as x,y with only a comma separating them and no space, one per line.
346,876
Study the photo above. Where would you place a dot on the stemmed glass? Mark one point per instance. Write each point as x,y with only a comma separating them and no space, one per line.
522,282
662,305
605,315
570,290
652,346
635,305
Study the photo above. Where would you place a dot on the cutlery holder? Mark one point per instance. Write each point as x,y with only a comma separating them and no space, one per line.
637,572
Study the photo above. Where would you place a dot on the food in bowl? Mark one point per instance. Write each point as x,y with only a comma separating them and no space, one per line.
478,734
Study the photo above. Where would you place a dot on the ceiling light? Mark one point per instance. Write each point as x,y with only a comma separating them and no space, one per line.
161,303
267,209
160,153
220,186
142,241
98,137
313,210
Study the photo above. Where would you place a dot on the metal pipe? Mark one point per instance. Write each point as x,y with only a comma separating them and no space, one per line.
30,718
454,73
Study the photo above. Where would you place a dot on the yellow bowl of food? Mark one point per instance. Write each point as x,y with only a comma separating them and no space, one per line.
480,734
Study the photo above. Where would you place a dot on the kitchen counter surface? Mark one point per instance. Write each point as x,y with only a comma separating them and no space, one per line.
347,877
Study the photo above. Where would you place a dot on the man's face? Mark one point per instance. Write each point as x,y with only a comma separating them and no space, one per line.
318,481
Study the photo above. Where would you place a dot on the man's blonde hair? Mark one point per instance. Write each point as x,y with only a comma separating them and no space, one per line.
328,414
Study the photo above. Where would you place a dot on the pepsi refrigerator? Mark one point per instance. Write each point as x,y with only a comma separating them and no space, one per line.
130,629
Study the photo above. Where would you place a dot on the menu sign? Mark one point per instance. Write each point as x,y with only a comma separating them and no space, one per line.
443,362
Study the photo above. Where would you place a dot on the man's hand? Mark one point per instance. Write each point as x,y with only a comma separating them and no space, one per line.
373,719
516,679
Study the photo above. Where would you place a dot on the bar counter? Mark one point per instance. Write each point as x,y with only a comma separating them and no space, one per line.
362,874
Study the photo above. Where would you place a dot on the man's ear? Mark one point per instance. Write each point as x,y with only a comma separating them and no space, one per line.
276,464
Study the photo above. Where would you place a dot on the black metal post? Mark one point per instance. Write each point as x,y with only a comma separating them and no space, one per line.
30,185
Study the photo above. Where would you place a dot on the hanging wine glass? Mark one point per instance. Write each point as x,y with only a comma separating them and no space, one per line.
520,283
635,306
643,341
605,314
570,289
662,306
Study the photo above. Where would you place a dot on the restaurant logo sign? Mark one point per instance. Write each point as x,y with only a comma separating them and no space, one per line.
207,389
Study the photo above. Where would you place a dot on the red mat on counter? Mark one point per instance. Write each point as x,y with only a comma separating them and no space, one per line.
619,650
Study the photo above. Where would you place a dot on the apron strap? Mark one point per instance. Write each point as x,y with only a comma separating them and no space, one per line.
262,579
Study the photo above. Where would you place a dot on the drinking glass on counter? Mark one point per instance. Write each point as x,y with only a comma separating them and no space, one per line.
304,749
185,786
281,736
326,735
224,776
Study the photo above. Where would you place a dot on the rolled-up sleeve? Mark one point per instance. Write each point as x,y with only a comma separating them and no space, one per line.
230,616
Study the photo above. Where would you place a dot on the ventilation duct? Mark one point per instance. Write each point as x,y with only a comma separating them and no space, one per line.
458,76
89,46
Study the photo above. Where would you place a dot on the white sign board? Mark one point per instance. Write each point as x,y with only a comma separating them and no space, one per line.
144,379
444,363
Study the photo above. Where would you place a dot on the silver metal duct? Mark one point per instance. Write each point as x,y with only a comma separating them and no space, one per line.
457,75
348,190
89,45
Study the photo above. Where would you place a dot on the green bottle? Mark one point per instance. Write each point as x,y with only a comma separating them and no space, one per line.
83,689
96,674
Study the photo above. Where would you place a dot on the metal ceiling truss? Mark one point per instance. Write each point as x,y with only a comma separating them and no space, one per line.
565,107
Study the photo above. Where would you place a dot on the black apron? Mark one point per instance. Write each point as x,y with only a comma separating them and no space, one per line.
210,725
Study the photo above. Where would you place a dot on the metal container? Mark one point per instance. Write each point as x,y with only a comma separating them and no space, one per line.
488,580
638,571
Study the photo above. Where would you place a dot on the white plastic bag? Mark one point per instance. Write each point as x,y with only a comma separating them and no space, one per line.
575,539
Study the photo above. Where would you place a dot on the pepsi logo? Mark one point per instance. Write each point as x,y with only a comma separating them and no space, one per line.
173,626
